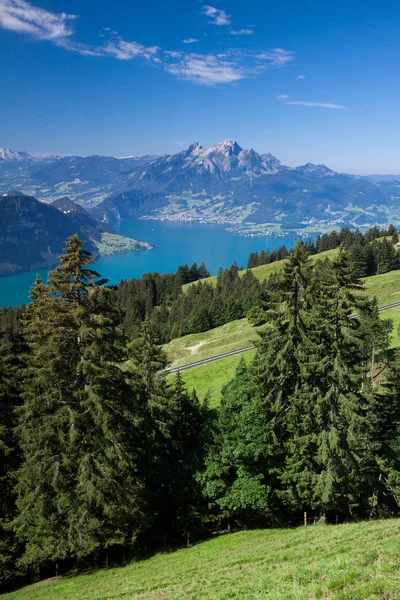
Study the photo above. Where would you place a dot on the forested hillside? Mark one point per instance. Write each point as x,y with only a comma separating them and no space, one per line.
103,458
33,234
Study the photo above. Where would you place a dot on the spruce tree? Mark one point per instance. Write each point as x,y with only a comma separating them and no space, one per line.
79,491
327,467
179,501
9,457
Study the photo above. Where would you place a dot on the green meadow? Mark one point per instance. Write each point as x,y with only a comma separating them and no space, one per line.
211,377
344,562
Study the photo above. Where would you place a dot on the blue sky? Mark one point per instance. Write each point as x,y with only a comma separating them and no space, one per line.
308,81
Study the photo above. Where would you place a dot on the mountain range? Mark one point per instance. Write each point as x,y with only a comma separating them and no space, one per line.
33,234
223,183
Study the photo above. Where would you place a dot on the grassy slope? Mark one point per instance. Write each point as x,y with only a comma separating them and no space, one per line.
196,346
385,287
266,270
237,334
212,376
357,561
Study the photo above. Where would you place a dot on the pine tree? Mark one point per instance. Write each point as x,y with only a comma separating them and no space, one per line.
146,356
327,468
180,503
78,488
384,418
203,271
9,458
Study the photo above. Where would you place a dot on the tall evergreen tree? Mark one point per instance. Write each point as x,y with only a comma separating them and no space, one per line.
78,488
327,467
9,457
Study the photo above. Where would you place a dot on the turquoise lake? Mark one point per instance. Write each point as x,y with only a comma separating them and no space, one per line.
177,244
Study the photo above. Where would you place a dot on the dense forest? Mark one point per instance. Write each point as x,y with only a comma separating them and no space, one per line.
103,458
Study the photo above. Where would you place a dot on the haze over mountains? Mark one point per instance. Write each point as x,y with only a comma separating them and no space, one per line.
224,183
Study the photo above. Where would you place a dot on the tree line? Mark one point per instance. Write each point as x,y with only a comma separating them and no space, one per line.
101,456
174,312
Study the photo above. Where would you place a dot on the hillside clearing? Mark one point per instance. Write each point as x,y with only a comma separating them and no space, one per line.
237,334
355,561
196,346
385,287
212,376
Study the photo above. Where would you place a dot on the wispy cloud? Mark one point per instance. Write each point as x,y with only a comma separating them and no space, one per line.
231,66
317,104
206,69
241,32
228,67
278,57
283,96
128,50
180,143
19,16
82,49
217,16
300,77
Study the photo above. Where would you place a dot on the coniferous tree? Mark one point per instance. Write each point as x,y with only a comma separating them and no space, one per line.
9,458
180,504
79,491
327,467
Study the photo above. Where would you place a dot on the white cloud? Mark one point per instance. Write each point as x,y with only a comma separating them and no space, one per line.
283,97
128,50
227,67
241,32
318,104
173,53
277,57
22,17
206,69
218,17
300,77
82,49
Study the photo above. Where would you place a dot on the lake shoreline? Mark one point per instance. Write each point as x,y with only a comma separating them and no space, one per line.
176,244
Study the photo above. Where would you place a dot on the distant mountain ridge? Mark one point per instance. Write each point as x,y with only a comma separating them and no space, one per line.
227,184
223,183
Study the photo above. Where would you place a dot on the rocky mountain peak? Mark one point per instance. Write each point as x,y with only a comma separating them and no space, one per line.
227,147
11,155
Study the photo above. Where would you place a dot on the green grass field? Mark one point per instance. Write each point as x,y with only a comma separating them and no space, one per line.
385,287
212,376
196,346
354,562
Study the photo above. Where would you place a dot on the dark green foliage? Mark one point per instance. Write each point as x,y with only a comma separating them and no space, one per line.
79,427
9,456
100,454
240,473
296,431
